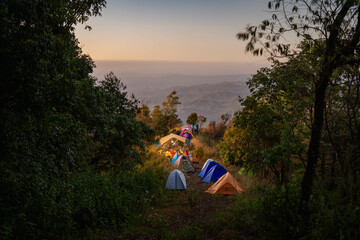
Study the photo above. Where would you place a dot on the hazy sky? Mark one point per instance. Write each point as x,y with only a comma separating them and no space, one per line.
172,30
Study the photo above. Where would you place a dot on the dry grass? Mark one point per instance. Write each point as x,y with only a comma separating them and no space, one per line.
208,152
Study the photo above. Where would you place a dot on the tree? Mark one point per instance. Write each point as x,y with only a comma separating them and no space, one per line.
143,115
225,118
54,120
266,135
333,27
201,120
159,121
169,110
116,131
43,78
192,119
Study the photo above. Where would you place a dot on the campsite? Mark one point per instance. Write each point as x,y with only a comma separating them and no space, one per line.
158,119
189,210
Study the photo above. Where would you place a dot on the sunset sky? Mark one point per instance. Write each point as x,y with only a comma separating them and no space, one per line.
172,30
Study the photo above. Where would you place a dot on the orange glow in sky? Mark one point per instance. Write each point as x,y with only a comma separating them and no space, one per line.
163,30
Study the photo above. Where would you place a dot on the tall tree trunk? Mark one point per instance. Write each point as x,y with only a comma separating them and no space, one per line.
331,58
313,150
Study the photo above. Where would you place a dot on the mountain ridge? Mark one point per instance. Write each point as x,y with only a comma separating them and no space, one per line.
208,99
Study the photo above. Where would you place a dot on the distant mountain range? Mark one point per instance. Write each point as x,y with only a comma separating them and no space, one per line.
208,99
206,88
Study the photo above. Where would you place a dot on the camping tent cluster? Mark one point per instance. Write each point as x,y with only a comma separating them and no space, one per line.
186,133
225,183
180,159
211,171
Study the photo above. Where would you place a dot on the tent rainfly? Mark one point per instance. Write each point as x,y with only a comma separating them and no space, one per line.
226,185
165,139
184,163
206,169
216,172
207,163
175,157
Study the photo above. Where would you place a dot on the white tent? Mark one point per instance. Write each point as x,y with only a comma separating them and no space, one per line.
207,163
176,180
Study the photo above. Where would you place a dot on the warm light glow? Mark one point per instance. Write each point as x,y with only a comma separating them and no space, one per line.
171,30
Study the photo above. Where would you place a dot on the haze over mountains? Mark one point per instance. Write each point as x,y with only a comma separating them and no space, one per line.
208,99
210,89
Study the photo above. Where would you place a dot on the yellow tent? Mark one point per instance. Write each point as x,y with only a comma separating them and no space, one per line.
171,136
226,185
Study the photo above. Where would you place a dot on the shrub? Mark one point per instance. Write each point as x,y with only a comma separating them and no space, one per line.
83,203
262,212
199,153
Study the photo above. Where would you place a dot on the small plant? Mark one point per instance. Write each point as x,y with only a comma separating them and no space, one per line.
189,232
192,197
199,153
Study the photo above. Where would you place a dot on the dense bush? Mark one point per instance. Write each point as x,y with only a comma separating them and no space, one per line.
212,134
85,203
56,121
266,212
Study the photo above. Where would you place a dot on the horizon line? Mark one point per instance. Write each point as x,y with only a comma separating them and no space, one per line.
178,61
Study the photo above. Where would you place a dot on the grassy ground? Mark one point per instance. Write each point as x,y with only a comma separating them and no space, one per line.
189,214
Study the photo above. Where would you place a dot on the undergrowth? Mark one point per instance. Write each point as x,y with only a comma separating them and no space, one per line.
266,212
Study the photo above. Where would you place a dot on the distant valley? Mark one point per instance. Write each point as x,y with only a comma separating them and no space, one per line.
210,89
209,99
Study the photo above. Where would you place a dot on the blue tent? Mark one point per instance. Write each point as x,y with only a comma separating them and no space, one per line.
216,172
206,169
176,180
175,157
206,163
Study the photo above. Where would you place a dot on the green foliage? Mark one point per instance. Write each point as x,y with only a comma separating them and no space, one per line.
143,115
169,110
233,146
55,122
201,120
265,212
165,119
333,217
212,134
199,152
268,134
331,29
118,135
159,121
192,231
110,201
192,119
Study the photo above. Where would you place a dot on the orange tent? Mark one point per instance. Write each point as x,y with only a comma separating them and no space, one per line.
226,185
